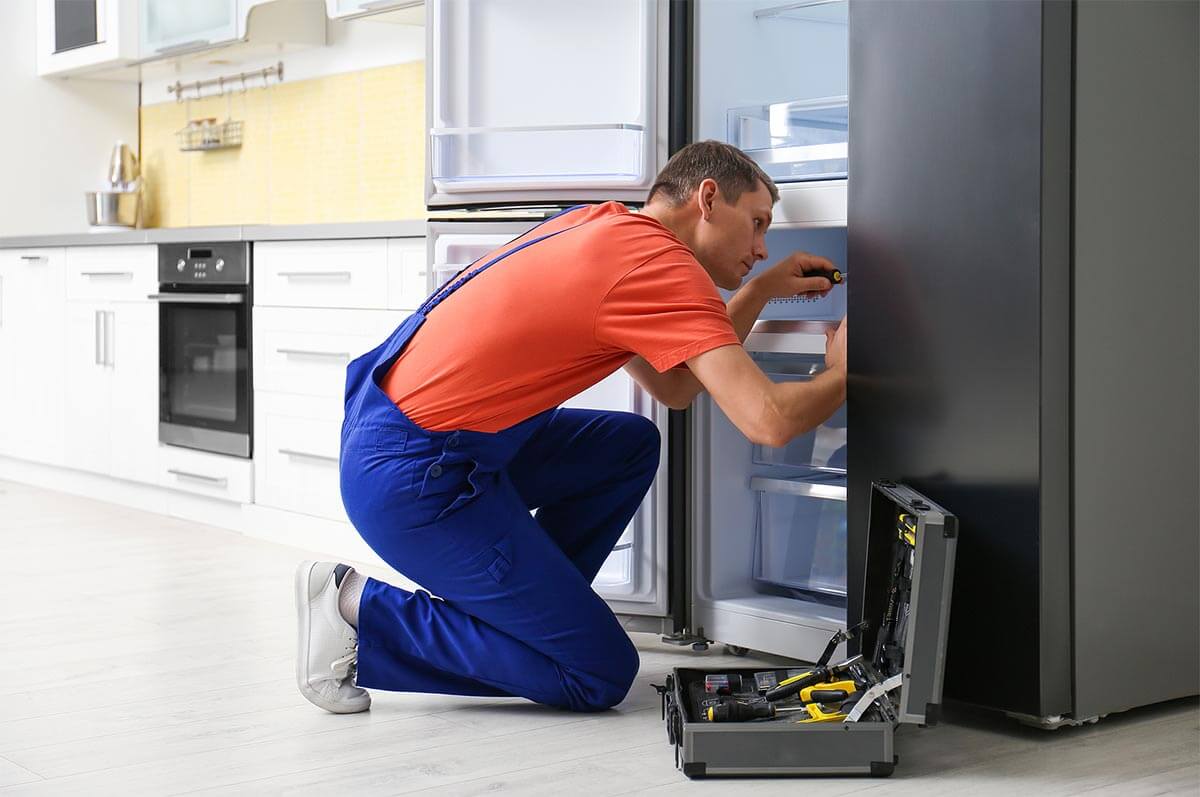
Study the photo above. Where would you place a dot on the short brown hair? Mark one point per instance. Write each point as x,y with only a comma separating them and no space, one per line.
732,169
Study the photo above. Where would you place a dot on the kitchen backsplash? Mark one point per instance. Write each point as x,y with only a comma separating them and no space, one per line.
347,147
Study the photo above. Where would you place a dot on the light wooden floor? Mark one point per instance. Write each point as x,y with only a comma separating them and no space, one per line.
147,655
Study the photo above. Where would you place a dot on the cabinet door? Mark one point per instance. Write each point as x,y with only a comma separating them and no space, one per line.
87,397
31,352
131,342
169,26
544,100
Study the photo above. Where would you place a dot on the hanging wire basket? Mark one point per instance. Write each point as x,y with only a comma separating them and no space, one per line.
205,134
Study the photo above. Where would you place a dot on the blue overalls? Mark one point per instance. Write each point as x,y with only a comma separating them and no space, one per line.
514,613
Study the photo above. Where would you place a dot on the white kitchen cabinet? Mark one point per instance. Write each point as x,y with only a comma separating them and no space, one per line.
297,439
110,409
344,273
408,275
32,377
115,34
413,10
305,351
209,475
170,28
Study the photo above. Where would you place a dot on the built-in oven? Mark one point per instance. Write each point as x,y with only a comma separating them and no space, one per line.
205,389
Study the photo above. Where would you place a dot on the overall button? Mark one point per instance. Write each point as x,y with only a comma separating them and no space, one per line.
452,441
435,470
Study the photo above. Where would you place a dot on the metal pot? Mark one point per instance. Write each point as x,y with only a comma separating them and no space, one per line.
113,208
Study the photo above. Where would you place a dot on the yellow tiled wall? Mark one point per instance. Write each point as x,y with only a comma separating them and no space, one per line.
345,147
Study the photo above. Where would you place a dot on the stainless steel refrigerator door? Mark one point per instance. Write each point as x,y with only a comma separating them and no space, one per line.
633,581
541,101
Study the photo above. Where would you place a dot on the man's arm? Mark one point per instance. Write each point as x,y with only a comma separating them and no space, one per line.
678,387
767,412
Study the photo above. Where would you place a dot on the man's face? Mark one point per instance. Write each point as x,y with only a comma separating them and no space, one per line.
731,238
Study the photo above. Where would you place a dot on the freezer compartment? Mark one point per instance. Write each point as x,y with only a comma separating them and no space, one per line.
800,535
797,140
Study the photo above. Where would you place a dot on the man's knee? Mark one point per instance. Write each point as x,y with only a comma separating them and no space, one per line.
602,691
644,438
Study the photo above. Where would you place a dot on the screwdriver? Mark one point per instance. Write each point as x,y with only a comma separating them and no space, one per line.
738,711
836,276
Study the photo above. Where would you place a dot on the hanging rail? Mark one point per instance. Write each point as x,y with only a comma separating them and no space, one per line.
198,86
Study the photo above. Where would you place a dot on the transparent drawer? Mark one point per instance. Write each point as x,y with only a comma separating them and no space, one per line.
822,450
466,158
797,140
800,534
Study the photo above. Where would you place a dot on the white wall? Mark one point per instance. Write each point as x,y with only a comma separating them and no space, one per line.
57,134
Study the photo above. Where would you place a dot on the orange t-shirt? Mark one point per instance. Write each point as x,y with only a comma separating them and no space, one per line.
555,318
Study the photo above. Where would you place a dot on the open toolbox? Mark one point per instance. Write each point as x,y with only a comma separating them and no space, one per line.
835,718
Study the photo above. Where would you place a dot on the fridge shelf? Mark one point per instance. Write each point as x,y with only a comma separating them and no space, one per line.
831,12
800,534
795,140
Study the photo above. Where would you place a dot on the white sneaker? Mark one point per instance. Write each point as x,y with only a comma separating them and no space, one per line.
328,651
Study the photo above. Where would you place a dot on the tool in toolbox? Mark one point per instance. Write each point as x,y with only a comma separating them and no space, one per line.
742,722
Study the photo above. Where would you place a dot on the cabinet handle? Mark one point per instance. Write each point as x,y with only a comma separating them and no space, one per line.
98,335
110,338
106,273
339,275
219,481
178,48
287,452
34,258
340,355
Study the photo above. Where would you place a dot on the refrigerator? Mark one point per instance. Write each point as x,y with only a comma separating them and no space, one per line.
1025,347
536,105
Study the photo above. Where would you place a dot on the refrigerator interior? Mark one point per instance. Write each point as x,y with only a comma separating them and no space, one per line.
633,579
770,523
782,98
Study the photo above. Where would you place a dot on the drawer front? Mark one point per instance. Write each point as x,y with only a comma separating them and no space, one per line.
296,454
206,474
352,273
305,351
111,273
408,275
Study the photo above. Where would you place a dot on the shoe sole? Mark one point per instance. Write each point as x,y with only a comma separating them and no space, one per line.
303,578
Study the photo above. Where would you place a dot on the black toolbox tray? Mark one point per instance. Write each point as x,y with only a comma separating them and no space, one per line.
910,588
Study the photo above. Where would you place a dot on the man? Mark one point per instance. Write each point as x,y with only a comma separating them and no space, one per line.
452,436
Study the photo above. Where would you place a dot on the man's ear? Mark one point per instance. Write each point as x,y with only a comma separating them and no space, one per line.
706,197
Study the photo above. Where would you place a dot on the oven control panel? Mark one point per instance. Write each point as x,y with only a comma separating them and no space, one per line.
221,263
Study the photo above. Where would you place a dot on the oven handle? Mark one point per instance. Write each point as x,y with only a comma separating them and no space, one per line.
199,298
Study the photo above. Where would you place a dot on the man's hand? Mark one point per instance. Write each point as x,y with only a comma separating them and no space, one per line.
835,348
786,278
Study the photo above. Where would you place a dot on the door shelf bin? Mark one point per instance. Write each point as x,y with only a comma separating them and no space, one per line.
822,449
792,141
800,534
464,158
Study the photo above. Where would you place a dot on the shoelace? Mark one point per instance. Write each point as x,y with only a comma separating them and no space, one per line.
346,666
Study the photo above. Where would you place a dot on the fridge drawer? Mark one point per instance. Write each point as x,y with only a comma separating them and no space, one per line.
822,449
800,534
351,273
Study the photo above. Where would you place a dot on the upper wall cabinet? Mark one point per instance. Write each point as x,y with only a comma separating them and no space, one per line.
170,28
541,100
405,12
80,36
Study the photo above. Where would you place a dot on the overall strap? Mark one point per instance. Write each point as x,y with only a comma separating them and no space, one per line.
443,292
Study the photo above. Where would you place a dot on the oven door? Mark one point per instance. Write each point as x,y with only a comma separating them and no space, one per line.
204,370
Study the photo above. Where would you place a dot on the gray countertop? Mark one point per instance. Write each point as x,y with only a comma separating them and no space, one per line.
403,228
